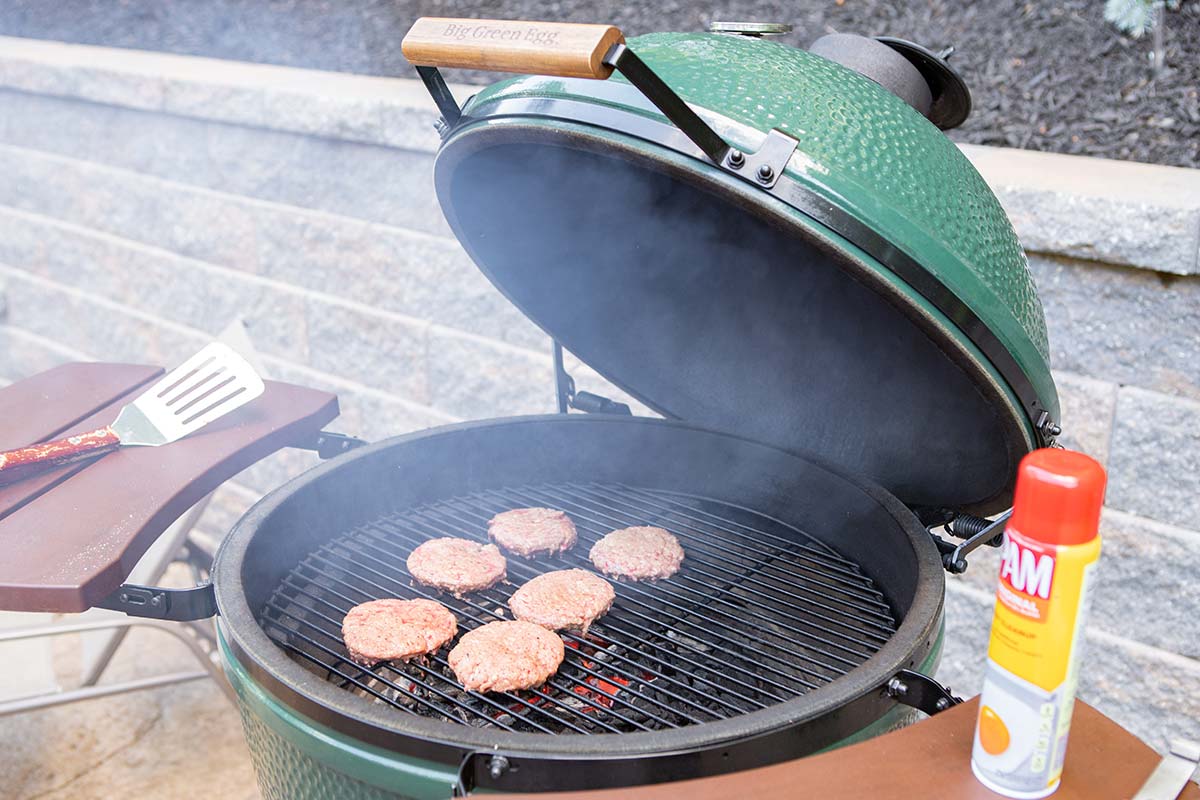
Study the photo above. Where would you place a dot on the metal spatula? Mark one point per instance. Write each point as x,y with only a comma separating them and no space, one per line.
207,386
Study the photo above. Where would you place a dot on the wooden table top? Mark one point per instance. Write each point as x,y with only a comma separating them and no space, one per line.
930,760
71,536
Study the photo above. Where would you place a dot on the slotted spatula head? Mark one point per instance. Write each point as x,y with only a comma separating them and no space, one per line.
208,385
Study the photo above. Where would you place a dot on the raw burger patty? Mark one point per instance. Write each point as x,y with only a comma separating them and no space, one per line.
528,531
567,598
642,553
457,565
506,656
387,630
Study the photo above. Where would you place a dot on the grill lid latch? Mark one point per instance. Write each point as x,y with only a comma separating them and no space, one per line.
920,692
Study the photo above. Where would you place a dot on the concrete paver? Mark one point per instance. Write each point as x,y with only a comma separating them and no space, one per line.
167,742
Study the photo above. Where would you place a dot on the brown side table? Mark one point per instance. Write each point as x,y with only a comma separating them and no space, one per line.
930,760
70,537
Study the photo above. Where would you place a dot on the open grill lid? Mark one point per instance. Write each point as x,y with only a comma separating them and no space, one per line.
795,255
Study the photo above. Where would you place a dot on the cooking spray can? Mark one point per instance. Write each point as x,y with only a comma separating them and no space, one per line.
1047,567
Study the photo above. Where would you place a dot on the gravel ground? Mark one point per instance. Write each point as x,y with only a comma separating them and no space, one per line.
1045,76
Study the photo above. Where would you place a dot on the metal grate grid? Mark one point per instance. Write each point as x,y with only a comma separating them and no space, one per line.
760,613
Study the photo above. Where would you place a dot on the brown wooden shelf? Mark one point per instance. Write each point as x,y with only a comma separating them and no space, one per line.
71,536
930,760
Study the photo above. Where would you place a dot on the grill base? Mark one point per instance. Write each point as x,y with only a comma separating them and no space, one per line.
759,614
297,759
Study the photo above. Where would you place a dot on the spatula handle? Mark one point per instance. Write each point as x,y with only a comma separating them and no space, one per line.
44,456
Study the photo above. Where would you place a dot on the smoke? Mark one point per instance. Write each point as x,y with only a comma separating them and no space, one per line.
707,307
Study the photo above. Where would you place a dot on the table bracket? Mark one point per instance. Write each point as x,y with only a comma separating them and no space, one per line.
328,444
156,602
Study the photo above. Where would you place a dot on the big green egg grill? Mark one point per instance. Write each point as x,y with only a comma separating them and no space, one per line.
781,254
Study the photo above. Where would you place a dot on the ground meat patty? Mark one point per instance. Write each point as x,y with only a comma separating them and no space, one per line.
641,553
457,565
528,531
569,599
506,656
390,630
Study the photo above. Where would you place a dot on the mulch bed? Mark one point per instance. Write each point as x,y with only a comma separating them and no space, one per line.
1050,76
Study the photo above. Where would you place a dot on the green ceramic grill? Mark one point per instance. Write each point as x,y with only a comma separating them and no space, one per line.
780,253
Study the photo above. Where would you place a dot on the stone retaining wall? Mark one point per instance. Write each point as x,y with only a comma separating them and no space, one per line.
146,200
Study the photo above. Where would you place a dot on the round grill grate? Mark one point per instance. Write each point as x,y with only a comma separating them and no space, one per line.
760,613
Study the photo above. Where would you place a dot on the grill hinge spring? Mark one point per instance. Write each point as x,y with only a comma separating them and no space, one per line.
976,532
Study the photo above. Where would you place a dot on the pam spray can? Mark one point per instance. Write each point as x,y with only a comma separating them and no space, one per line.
1047,568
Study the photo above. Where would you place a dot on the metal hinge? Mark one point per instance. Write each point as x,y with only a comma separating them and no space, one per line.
766,164
328,445
763,167
586,402
156,602
920,692
1048,428
976,531
596,404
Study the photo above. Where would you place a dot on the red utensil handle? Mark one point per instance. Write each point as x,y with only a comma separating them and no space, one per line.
38,458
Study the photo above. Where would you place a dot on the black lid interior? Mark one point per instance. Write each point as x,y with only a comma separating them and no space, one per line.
709,302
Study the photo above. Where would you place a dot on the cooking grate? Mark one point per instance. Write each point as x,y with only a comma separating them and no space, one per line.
760,613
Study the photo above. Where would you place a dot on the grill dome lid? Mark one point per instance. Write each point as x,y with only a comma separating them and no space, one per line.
871,308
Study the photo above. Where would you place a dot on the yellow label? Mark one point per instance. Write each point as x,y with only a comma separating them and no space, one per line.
1038,602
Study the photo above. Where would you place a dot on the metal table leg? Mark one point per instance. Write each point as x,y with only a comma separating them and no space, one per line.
149,570
211,668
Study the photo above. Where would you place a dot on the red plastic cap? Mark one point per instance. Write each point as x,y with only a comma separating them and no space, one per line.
1058,498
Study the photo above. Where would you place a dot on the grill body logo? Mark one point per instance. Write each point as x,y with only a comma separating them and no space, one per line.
532,34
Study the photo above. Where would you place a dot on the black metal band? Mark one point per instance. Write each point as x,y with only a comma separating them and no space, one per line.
566,770
921,692
441,94
564,384
329,445
157,602
808,203
654,89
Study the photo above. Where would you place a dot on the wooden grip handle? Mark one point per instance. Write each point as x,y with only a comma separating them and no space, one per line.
38,458
562,49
